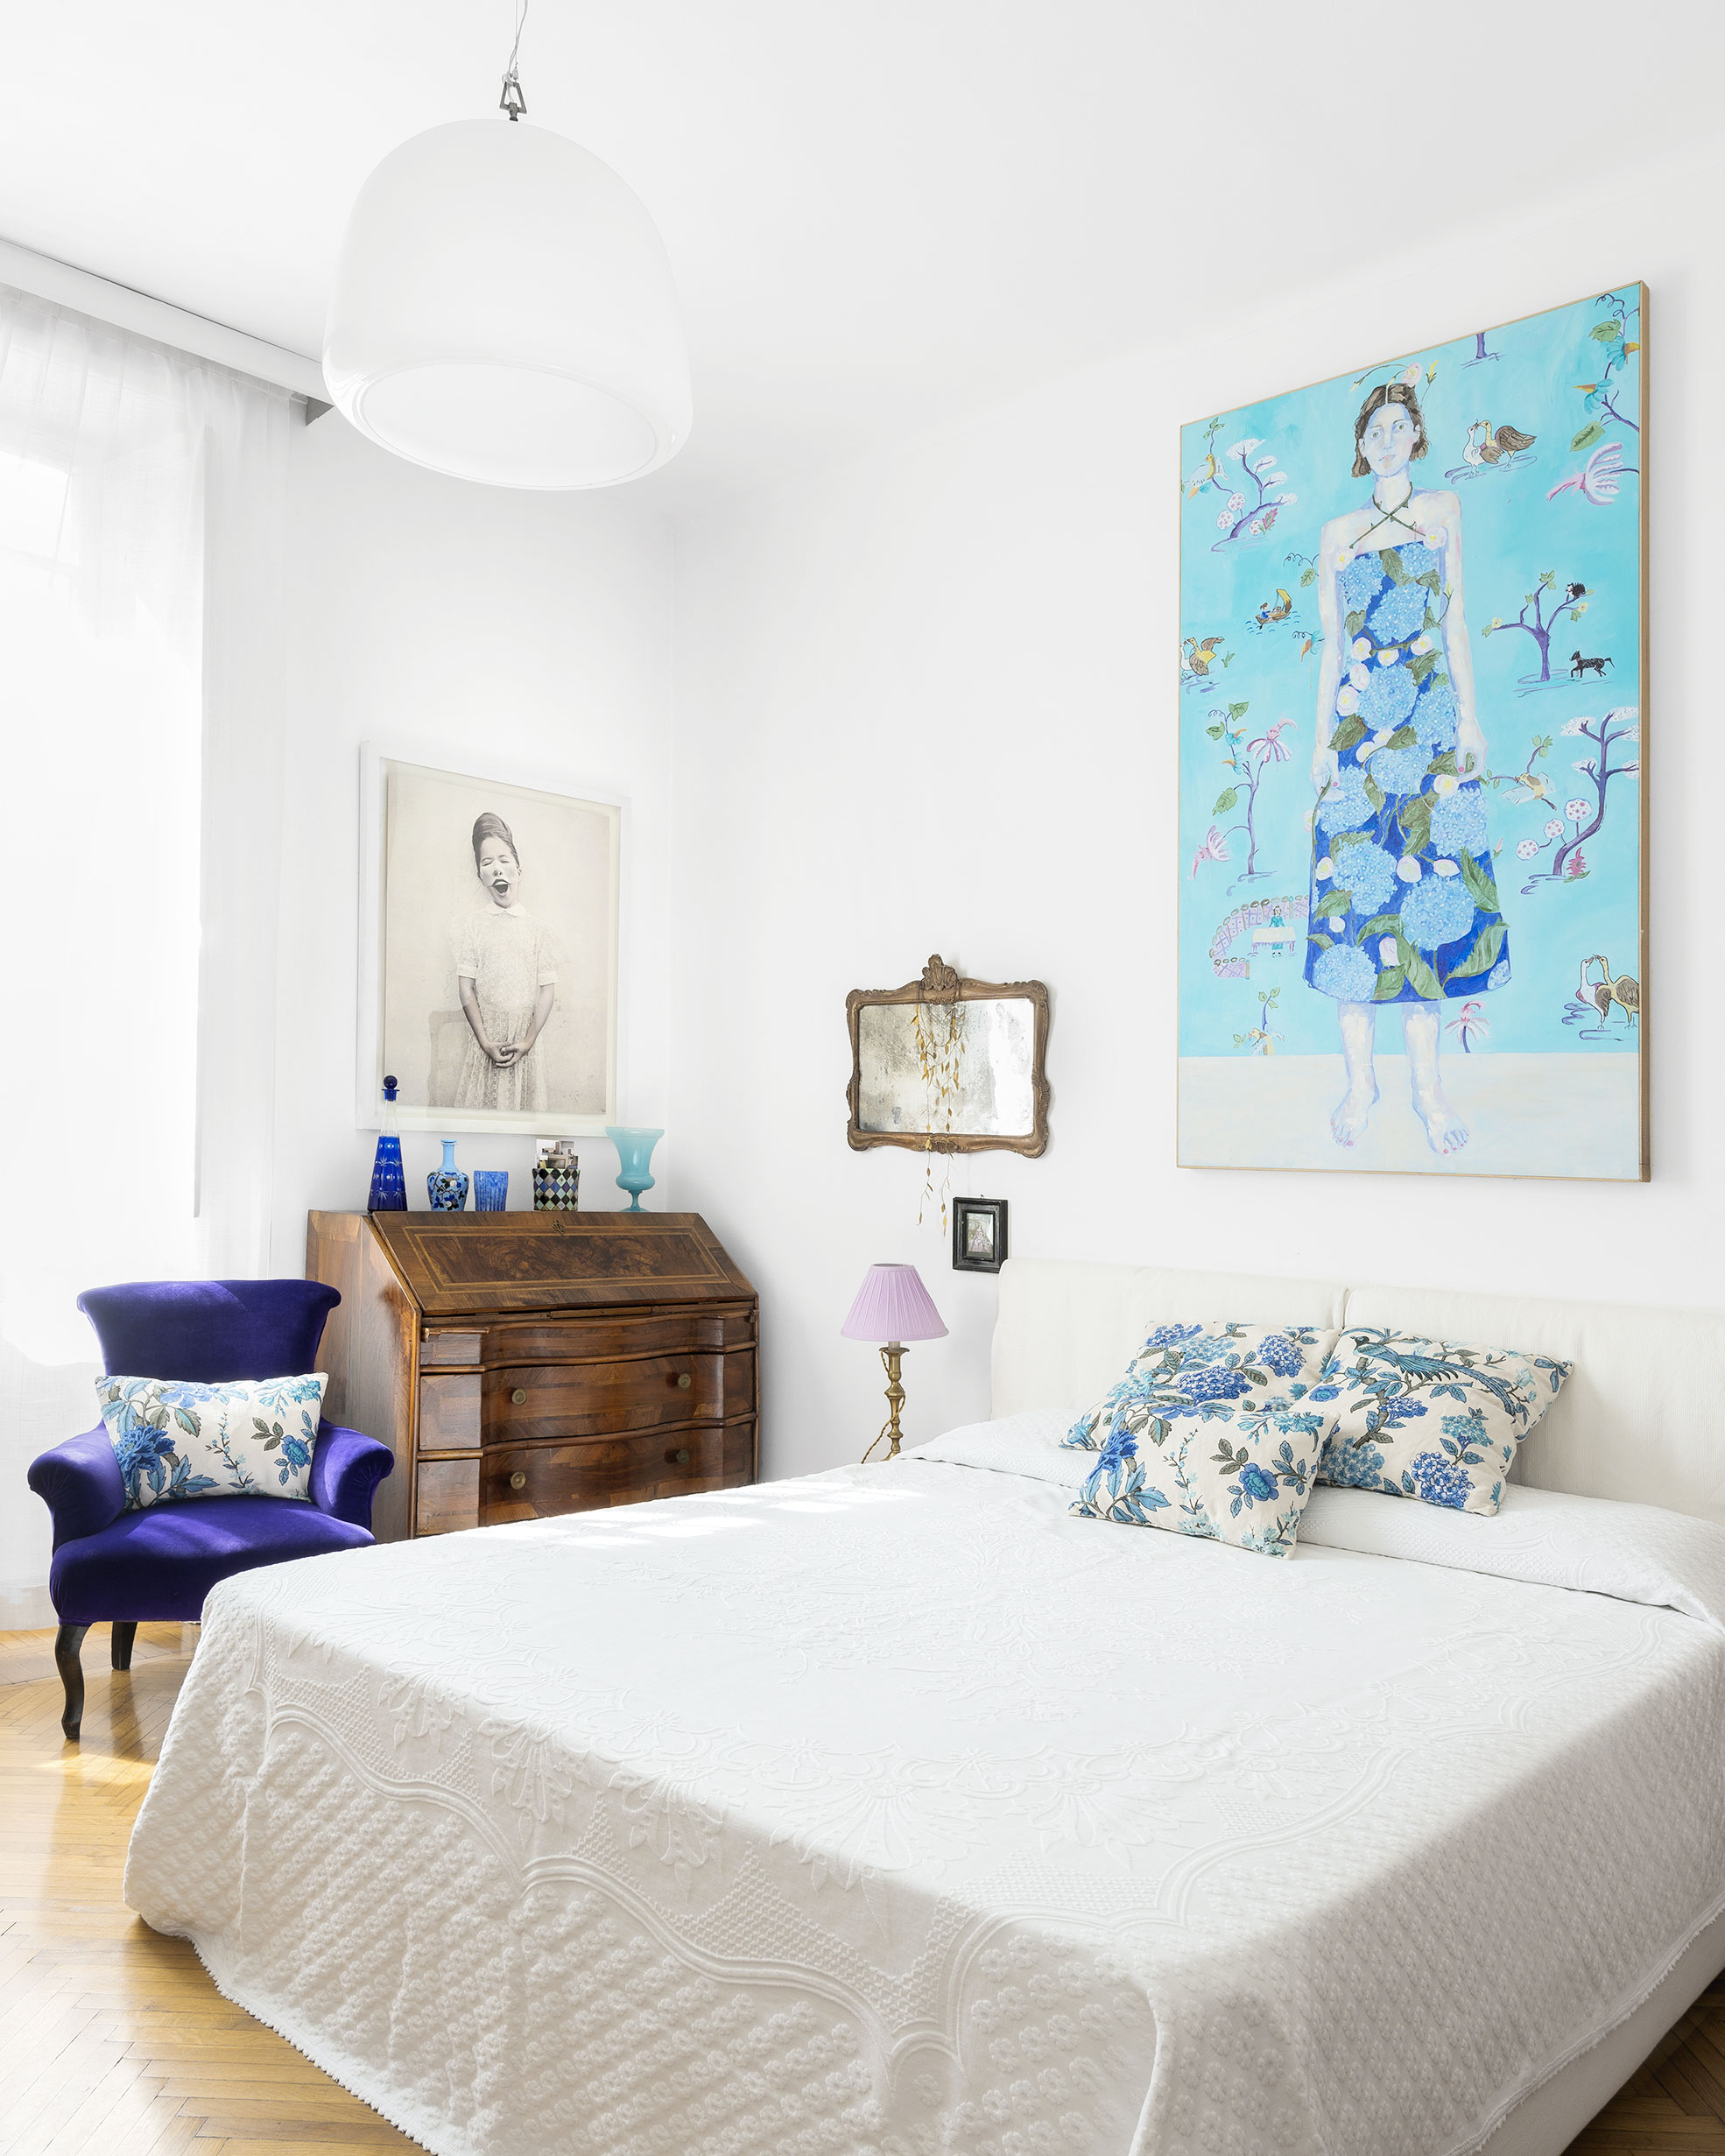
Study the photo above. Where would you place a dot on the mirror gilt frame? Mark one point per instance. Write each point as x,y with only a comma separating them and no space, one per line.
940,986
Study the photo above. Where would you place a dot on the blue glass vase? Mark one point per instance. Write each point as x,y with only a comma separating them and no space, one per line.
447,1185
389,1187
635,1149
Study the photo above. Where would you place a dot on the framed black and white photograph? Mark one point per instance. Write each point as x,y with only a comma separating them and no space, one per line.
489,952
979,1234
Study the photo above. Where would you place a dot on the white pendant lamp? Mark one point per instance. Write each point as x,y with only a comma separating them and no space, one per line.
504,311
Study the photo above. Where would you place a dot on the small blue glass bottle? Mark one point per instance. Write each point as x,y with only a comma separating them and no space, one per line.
389,1189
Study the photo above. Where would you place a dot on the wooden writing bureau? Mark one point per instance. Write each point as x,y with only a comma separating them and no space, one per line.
522,1364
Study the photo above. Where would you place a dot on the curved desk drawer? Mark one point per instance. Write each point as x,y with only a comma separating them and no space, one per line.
533,1482
602,1338
582,1399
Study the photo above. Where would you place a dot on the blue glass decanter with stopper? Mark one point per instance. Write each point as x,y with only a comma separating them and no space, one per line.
389,1189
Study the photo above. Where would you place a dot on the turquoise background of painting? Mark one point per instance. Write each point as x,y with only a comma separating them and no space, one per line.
1511,532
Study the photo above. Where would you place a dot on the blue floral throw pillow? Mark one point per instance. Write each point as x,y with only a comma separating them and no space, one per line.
1210,1432
180,1440
1428,1419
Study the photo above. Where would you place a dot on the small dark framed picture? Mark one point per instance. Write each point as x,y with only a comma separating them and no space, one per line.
979,1234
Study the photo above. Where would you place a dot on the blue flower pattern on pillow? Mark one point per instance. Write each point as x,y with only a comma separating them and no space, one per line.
176,1439
1245,1481
1390,1387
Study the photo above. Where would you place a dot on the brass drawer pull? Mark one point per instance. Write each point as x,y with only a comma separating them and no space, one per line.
518,1481
520,1396
684,1381
682,1455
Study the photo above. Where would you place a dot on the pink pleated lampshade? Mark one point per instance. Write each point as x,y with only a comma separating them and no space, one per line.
892,1303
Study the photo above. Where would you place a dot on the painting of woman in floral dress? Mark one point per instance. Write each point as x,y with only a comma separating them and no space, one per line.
1374,910
1404,907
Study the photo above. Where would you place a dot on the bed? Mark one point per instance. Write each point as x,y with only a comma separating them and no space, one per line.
896,1810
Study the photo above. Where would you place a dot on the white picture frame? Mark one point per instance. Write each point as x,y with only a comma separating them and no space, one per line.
417,885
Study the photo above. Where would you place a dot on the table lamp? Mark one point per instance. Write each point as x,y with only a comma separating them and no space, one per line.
892,1306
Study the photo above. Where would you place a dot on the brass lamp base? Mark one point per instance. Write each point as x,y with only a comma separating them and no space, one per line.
891,1357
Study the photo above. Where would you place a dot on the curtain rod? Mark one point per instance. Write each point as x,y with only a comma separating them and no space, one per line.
126,309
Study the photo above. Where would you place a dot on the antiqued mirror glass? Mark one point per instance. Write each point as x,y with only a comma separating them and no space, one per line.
954,1060
994,1043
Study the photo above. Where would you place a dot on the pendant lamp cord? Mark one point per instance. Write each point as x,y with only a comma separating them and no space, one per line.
512,101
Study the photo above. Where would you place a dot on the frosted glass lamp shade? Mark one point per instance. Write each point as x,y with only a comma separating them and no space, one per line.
892,1303
504,311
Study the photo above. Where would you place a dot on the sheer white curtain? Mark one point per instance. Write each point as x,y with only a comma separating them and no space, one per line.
141,519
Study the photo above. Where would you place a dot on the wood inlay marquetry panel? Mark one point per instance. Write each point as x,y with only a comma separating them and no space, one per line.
459,1263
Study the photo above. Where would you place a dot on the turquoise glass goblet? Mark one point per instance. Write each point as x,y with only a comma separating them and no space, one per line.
635,1149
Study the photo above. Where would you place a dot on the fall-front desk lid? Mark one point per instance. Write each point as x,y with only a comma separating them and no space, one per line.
456,1262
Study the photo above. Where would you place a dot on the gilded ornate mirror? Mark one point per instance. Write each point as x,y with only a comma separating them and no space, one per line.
949,1063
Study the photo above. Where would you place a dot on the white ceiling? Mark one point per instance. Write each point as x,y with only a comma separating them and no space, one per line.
880,215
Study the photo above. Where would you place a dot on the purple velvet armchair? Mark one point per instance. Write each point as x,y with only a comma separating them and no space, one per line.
155,1566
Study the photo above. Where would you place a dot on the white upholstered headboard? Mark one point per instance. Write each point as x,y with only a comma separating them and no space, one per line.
1643,1418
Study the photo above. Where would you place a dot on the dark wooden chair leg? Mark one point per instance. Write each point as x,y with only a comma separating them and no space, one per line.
67,1640
121,1645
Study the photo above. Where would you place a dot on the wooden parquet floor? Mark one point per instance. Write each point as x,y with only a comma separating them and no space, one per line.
113,2040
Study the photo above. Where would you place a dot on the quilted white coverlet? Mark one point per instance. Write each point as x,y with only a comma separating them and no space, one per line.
897,1811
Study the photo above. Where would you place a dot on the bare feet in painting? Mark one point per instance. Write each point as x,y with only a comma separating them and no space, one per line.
1349,1122
1444,1130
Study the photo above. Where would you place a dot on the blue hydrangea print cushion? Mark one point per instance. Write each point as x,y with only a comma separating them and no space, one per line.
1210,1432
178,1440
1429,1418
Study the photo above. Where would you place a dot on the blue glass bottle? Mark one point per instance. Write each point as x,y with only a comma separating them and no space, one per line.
447,1187
389,1190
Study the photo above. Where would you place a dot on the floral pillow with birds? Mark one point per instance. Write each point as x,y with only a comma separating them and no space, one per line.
176,1439
1211,1432
1429,1418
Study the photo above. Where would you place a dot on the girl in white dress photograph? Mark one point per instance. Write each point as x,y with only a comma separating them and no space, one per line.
506,975
497,908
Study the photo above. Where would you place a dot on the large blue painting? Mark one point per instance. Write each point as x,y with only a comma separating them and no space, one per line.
1411,649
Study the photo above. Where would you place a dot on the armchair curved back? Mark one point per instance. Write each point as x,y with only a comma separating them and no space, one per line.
211,1332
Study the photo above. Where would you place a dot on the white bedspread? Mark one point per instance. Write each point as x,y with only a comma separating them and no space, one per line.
897,1811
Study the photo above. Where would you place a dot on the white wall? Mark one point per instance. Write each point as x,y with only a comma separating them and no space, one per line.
931,703
474,623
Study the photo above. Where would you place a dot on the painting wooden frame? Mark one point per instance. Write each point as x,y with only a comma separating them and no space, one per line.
940,986
1535,1008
